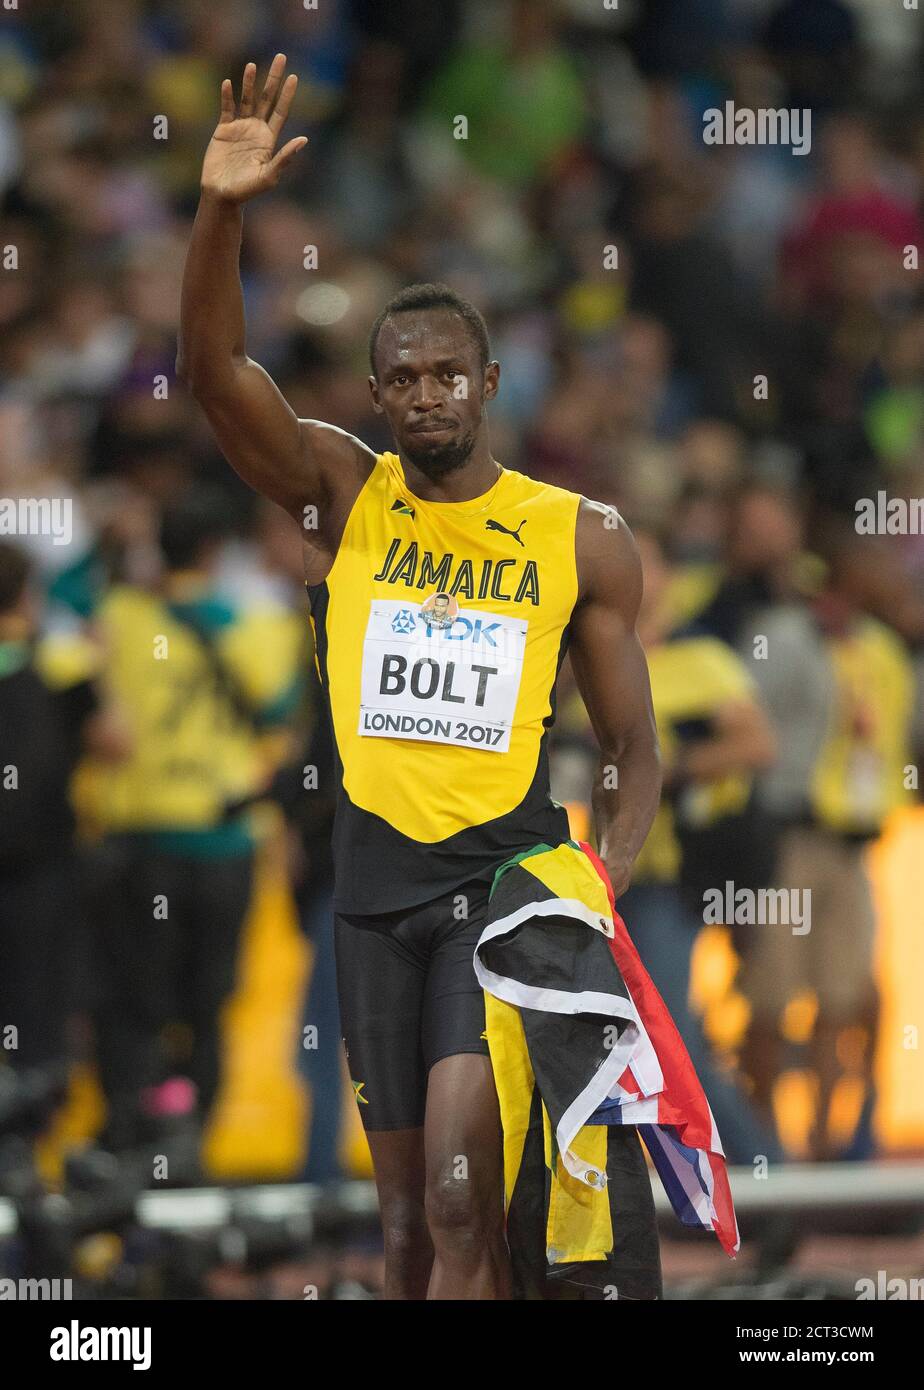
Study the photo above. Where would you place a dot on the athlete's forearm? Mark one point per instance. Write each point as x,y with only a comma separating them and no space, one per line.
212,326
626,792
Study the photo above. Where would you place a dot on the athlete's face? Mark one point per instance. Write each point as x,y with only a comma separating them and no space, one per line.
431,388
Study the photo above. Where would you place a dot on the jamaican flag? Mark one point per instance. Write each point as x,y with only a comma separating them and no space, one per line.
586,1059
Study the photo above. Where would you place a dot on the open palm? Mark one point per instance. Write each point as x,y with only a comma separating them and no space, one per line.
239,161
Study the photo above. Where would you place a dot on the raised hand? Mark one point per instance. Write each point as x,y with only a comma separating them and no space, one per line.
239,162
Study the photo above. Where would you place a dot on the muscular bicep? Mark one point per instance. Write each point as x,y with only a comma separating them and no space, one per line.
294,462
612,675
606,655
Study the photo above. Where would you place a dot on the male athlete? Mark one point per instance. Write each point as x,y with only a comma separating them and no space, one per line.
440,734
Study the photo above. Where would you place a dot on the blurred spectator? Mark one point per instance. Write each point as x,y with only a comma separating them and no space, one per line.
815,45
520,95
199,682
305,789
307,795
795,642
51,712
858,776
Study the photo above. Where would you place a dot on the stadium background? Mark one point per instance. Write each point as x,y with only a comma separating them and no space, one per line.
632,383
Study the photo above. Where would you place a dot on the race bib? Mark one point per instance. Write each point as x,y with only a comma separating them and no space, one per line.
441,676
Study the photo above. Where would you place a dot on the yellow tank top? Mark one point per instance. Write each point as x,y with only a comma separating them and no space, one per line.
439,633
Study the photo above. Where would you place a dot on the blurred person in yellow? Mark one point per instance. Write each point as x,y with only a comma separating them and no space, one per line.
858,775
838,689
714,737
201,682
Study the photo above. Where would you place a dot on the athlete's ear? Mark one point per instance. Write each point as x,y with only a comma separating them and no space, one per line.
374,390
491,380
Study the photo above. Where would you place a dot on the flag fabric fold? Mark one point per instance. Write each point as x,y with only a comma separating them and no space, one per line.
582,1044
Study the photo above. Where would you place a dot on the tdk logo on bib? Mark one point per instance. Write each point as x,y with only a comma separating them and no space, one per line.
463,631
439,677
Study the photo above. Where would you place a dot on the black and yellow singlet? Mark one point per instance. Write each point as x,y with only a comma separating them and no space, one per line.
439,633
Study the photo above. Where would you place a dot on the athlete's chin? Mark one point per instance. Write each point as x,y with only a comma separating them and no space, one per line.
437,457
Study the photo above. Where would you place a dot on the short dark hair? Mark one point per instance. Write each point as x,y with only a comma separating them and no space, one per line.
200,516
15,569
429,296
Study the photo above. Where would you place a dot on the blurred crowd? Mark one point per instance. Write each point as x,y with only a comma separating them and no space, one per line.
725,342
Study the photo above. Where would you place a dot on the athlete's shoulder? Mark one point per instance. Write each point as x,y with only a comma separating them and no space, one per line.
344,462
535,488
386,465
347,467
607,557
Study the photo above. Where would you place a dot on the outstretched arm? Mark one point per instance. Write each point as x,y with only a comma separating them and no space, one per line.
294,462
612,675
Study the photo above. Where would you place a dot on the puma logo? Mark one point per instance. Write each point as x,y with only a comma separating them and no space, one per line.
498,526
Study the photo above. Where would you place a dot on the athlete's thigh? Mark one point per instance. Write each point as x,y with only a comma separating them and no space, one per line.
380,988
463,1131
453,1007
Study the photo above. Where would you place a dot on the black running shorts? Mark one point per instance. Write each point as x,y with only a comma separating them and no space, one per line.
408,997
